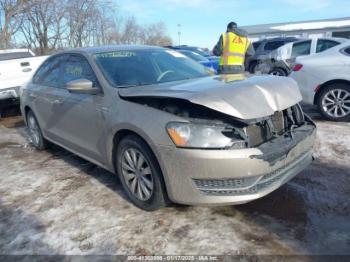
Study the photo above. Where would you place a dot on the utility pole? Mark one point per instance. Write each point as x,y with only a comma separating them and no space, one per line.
179,32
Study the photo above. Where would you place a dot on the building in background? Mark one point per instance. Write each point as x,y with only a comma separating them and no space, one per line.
339,27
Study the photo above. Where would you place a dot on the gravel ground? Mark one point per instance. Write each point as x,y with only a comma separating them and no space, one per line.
53,202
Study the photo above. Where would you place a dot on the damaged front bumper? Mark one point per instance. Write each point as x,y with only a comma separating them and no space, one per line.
208,177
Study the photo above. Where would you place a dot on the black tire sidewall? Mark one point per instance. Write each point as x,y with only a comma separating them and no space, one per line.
158,198
252,67
280,70
322,94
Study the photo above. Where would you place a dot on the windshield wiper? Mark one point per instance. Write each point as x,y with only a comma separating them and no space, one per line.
133,85
125,86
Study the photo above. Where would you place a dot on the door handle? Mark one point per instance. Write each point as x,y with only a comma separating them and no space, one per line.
103,109
57,102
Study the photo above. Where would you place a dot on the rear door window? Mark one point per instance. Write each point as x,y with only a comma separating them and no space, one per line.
324,44
77,67
269,46
49,73
256,45
301,48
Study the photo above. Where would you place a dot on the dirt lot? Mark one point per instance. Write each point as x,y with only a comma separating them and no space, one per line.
53,202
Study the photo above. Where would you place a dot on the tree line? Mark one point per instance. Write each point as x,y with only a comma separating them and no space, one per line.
48,25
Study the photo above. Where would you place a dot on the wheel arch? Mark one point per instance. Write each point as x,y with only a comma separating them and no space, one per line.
251,63
329,83
124,132
280,68
26,110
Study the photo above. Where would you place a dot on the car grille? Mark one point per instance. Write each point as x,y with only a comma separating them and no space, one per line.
260,132
246,186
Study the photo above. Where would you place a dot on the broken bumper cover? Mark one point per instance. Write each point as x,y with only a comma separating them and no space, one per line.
209,177
9,93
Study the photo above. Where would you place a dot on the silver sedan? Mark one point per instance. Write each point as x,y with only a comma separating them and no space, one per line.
171,131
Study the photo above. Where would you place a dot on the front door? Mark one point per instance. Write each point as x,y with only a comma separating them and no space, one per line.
77,121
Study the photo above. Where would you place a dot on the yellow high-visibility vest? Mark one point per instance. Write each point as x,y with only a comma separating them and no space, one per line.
234,49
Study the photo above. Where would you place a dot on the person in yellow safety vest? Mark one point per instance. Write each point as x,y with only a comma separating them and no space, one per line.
233,48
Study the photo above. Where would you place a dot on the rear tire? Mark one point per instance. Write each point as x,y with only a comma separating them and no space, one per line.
35,133
276,71
334,102
252,67
140,174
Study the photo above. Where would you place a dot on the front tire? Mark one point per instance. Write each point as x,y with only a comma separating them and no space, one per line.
139,173
35,134
334,102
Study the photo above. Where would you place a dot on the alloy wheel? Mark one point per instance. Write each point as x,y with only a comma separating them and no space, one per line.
137,174
34,131
336,103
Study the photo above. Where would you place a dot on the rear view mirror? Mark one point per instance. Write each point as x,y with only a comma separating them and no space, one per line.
82,86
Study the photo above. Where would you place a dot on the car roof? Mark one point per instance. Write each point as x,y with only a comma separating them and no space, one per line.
337,39
331,51
276,39
110,48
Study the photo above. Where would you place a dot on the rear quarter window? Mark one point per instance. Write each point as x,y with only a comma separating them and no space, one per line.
324,44
269,46
346,51
256,45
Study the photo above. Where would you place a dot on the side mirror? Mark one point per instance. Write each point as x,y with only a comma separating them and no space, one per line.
82,86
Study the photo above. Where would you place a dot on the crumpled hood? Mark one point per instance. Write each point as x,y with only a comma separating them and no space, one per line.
235,95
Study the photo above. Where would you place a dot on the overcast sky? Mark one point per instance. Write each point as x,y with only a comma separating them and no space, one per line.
202,21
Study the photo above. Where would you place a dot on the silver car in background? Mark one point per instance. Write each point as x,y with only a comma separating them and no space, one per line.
171,131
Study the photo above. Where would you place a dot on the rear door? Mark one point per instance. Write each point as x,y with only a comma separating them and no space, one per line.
76,119
41,91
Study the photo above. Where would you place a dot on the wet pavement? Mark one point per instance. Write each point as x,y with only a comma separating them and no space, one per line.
53,202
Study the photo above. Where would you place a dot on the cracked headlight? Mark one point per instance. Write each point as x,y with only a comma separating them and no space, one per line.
192,135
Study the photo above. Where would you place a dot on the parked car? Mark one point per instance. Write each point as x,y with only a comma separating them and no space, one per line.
324,80
211,64
281,61
198,50
169,130
16,67
263,48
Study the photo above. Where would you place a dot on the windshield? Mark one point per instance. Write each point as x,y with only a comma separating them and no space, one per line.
194,56
145,67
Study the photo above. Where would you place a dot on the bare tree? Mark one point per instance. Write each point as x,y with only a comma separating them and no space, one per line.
155,34
131,32
10,20
46,25
42,23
